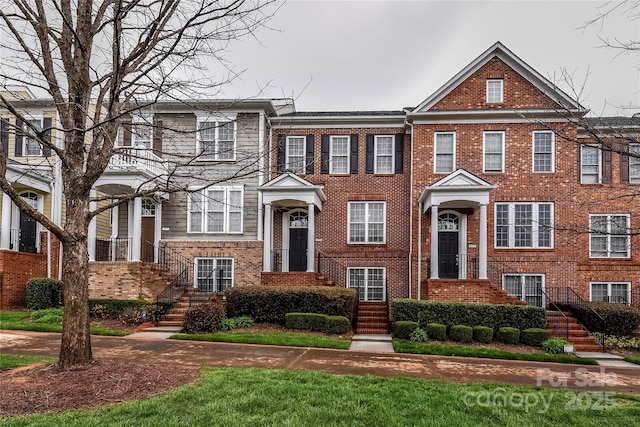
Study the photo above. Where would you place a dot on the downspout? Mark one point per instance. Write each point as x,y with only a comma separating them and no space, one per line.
411,218
58,196
53,203
261,154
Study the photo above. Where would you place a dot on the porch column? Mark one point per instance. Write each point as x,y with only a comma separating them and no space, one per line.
482,256
136,232
434,242
310,237
91,235
268,237
5,237
157,232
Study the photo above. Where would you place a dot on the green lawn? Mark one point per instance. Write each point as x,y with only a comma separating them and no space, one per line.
262,397
439,349
19,320
270,338
633,359
10,361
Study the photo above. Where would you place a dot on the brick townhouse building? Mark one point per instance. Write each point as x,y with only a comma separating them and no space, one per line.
493,189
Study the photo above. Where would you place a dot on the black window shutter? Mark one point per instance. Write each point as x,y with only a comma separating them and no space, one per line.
399,157
606,166
579,159
157,137
4,136
353,160
370,154
309,160
19,137
324,158
282,146
624,164
46,126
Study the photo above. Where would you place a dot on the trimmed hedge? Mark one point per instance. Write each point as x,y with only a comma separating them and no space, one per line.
436,331
483,334
42,292
620,320
461,333
508,335
534,336
203,318
306,321
114,308
337,325
403,329
493,316
272,303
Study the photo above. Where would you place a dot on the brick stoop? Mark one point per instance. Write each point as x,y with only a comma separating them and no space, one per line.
467,290
294,278
578,336
372,318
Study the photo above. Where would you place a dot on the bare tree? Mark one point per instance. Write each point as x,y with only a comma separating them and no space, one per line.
99,61
629,9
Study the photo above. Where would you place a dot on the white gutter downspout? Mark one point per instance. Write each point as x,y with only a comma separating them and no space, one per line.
53,207
261,154
411,219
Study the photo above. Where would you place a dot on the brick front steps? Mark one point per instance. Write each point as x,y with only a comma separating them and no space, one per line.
578,336
372,318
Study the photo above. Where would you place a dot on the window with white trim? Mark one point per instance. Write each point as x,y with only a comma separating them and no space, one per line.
213,274
590,164
148,207
216,210
369,281
384,148
525,287
31,146
543,155
367,222
634,163
493,156
524,225
141,134
616,292
339,154
296,154
495,90
216,140
609,236
445,152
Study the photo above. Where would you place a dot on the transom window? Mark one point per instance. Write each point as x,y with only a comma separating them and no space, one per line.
617,292
367,222
213,274
634,163
445,143
609,236
299,220
369,281
543,151
495,89
525,287
494,152
448,222
216,210
383,152
295,154
524,225
216,140
339,154
30,146
148,207
590,164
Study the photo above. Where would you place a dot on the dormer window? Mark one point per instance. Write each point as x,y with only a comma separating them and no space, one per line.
495,90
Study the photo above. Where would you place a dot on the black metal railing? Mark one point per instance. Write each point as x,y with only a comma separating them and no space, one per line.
24,241
451,264
561,328
112,249
333,270
566,295
497,269
617,299
176,268
635,297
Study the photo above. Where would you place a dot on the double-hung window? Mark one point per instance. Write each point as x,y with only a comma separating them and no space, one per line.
384,148
445,152
609,236
543,151
141,134
494,151
369,281
590,164
495,90
216,140
524,225
339,154
295,154
216,210
634,163
616,292
213,274
30,145
367,222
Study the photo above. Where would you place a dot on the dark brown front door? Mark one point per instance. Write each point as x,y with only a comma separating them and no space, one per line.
298,249
448,254
148,234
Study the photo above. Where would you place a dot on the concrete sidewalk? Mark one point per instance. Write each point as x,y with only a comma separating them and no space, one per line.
453,369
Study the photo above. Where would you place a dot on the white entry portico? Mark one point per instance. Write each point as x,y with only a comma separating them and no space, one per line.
458,190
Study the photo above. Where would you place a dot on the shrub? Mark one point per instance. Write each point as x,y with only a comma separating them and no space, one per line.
508,335
453,313
554,345
534,336
203,318
136,316
483,334
229,323
617,319
114,308
306,321
48,315
436,331
271,303
403,329
42,292
337,325
418,335
622,343
461,333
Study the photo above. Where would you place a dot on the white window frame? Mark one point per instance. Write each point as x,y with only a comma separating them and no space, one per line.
25,137
217,124
523,289
300,166
139,121
367,272
582,174
436,154
608,236
216,260
634,160
535,225
627,284
367,223
148,207
553,151
203,224
332,166
490,99
484,151
376,154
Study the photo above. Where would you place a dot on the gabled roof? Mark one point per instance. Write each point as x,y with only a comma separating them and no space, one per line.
458,179
505,55
289,186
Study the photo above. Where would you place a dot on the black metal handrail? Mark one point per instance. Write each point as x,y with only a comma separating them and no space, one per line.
566,295
551,305
635,297
496,269
332,270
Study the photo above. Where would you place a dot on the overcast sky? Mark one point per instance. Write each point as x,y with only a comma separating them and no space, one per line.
386,55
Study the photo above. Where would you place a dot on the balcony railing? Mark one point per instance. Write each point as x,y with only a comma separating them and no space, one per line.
454,265
137,159
112,249
24,241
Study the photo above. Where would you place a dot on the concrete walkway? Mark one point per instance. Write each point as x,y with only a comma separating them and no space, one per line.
453,369
372,342
606,359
